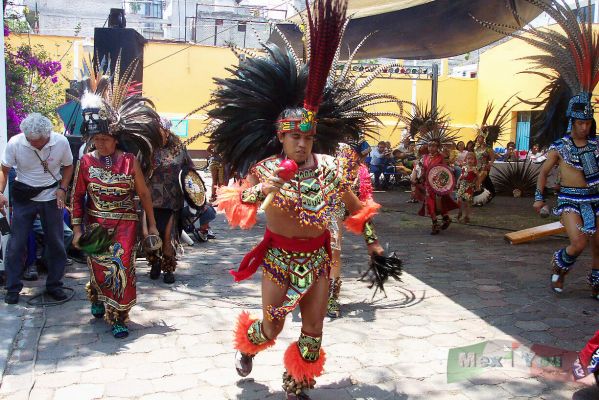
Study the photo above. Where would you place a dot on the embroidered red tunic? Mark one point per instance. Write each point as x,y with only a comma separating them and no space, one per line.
429,206
105,196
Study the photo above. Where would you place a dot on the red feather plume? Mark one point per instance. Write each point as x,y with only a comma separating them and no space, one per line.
326,22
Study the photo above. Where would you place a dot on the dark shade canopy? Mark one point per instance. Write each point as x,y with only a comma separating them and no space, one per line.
421,29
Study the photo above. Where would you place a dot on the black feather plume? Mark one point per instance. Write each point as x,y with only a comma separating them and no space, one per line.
380,270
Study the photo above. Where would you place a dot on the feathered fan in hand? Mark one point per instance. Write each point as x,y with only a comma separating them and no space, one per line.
96,240
382,268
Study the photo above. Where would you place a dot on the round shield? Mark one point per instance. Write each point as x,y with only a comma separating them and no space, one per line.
441,179
193,188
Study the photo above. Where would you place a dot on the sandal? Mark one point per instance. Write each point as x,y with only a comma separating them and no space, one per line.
593,280
98,309
558,277
300,396
120,330
435,230
446,222
243,363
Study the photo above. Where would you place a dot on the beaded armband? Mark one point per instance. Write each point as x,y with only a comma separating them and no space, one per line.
369,233
253,194
539,195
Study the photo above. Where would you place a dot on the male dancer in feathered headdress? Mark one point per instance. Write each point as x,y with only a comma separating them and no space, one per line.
571,57
275,112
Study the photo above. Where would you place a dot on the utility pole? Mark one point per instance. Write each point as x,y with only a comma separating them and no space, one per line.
435,87
3,128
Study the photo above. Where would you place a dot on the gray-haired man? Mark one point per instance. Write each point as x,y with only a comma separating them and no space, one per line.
37,154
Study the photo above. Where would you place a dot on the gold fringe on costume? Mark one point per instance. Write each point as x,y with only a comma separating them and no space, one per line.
169,263
153,258
112,315
290,385
92,295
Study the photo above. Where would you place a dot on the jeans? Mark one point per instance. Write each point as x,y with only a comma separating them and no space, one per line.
67,235
23,215
377,170
207,215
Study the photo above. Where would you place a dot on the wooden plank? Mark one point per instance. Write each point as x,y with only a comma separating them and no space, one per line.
537,232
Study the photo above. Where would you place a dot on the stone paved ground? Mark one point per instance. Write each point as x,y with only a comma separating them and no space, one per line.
465,287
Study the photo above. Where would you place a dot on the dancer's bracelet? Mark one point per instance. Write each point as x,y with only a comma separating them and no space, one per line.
539,195
253,194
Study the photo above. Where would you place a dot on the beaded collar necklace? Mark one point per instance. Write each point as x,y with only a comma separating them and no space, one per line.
107,161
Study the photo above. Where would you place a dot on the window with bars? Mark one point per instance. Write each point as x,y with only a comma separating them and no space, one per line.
148,8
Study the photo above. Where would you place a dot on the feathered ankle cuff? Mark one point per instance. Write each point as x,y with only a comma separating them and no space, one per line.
249,338
300,369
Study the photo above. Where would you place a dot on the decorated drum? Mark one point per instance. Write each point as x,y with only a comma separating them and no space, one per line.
441,179
193,188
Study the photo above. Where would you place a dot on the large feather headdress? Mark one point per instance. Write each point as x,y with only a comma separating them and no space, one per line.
112,105
493,128
427,124
572,58
280,92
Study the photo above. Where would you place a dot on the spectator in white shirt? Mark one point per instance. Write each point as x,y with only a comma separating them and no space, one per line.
37,154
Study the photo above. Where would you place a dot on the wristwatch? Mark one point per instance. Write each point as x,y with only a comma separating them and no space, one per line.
61,188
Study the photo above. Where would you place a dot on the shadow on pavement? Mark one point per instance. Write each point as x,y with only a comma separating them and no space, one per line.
589,393
250,389
342,390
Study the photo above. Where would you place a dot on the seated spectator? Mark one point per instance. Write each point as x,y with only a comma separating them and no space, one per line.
470,146
535,155
510,153
197,222
379,159
363,148
462,152
452,153
398,163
